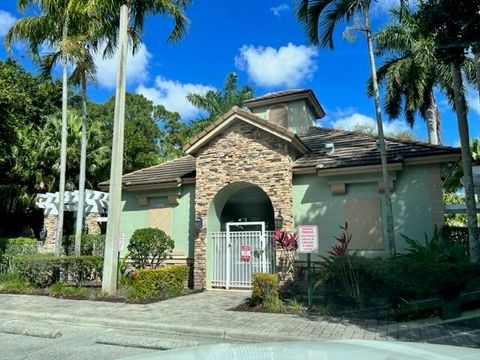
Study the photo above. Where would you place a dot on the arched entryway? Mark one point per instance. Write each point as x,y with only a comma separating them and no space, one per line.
240,224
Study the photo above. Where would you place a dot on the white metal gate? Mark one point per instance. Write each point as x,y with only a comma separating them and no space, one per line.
239,253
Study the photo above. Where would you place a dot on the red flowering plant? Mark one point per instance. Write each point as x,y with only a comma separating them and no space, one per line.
344,239
287,243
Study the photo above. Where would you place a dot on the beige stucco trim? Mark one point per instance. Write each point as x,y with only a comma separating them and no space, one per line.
357,169
169,185
432,159
305,170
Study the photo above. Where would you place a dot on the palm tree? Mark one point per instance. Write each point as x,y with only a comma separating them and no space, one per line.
50,28
132,12
217,103
412,72
324,15
444,19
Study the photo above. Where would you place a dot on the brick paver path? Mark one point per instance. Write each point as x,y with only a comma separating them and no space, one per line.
208,313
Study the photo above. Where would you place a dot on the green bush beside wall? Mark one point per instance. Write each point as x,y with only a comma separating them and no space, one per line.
265,288
11,247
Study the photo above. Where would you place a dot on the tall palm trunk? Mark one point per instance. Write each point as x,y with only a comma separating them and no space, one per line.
381,138
63,145
433,122
83,165
460,106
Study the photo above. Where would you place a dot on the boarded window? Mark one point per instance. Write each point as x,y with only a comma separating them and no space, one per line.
278,114
364,223
160,216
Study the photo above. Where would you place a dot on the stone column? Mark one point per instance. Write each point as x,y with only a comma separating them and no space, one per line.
92,224
200,260
50,224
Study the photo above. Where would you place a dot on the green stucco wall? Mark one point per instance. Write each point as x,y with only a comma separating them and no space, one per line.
135,216
313,203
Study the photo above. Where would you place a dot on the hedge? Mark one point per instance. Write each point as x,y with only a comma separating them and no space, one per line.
11,247
161,283
265,288
45,269
92,244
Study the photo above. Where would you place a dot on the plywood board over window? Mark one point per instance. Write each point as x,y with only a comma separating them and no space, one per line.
160,215
364,223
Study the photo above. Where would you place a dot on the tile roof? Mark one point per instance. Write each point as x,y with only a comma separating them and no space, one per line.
276,94
166,172
357,149
351,149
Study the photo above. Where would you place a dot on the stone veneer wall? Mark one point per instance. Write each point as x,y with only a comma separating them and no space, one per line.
92,224
241,153
50,224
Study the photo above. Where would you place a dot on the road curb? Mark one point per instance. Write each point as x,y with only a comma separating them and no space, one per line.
174,329
16,329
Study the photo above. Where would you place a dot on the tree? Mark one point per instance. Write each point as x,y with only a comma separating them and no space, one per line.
324,15
217,103
412,72
444,20
142,135
175,134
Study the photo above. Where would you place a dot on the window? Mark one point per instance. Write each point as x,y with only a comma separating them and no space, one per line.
364,223
278,115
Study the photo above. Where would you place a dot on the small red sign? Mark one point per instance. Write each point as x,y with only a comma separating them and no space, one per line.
245,252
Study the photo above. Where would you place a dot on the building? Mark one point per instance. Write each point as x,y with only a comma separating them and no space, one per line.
270,158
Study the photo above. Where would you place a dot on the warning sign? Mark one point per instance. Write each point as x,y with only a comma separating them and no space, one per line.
245,251
308,239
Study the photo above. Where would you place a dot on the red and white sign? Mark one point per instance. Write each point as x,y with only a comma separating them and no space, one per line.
245,251
308,239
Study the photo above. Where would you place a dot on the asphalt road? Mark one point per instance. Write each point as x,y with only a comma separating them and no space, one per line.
80,342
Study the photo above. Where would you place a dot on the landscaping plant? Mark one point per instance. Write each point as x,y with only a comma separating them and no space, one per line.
149,247
265,286
11,247
287,243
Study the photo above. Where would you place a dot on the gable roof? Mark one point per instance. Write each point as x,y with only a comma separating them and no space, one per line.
288,95
235,114
166,173
357,149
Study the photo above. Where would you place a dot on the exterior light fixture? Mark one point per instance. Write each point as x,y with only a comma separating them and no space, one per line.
279,221
198,222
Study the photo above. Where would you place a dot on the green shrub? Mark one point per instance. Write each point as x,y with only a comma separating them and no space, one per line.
149,247
11,247
92,244
264,286
62,290
274,305
150,284
45,269
15,283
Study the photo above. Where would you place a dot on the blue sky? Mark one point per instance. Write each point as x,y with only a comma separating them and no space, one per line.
264,44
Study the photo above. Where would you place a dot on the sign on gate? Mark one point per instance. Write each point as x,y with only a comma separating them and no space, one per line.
308,239
245,252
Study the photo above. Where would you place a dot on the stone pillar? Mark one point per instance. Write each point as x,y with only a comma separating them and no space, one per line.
50,224
92,224
200,260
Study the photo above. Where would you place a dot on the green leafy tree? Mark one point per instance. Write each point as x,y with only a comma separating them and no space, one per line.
445,21
320,18
149,247
412,72
142,135
216,103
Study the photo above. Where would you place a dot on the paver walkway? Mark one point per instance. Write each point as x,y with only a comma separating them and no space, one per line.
208,314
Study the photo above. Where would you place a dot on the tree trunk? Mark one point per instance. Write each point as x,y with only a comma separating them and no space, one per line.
433,120
83,166
63,145
381,139
461,109
110,267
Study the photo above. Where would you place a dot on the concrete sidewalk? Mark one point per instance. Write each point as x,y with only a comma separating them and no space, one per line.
207,314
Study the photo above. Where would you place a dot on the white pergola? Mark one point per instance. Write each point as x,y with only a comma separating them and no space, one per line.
95,202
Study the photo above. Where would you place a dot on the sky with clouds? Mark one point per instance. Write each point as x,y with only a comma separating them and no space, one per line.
264,44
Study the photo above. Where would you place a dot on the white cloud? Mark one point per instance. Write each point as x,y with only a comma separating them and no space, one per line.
6,22
288,66
356,120
278,10
172,94
137,67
